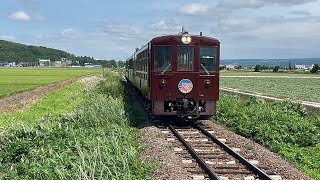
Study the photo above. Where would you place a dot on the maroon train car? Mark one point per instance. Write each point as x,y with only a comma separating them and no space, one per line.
177,74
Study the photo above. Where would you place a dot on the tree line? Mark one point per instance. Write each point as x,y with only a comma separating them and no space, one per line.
259,68
16,52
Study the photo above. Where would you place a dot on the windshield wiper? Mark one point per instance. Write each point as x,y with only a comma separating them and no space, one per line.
205,69
166,68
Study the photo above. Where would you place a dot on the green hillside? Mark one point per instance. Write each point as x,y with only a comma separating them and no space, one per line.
16,52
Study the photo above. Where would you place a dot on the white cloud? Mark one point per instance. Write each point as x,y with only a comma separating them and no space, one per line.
39,18
237,24
6,37
166,27
20,16
124,31
238,4
194,9
229,4
67,32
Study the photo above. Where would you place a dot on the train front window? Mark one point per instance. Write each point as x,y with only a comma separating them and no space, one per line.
162,58
208,59
185,58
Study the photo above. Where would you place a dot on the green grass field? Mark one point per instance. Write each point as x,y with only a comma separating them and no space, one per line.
297,87
265,73
74,133
15,80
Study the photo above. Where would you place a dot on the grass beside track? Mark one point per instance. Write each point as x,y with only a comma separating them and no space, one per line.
283,127
16,80
96,140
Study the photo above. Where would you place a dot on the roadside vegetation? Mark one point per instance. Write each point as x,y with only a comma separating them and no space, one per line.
95,140
16,80
292,88
283,127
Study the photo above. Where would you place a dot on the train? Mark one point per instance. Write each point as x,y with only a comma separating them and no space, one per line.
177,75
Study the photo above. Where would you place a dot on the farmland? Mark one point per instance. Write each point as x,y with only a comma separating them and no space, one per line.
267,73
15,80
74,134
282,85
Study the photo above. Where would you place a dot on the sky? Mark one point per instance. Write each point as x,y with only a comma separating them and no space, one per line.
106,29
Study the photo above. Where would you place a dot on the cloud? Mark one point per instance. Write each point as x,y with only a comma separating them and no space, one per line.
300,13
288,3
20,16
40,18
194,9
68,32
123,31
165,27
233,24
252,4
229,4
6,37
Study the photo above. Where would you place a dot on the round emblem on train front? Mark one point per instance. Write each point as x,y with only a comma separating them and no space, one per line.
185,86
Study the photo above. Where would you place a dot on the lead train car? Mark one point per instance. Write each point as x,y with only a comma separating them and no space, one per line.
178,75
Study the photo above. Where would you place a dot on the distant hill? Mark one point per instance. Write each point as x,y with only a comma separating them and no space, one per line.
16,52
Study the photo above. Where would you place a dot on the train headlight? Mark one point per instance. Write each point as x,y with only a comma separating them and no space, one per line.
207,83
186,39
163,83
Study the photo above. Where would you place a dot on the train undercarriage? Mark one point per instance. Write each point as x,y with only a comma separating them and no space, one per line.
183,108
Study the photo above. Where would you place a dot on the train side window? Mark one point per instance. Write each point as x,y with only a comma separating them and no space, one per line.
162,58
185,58
208,59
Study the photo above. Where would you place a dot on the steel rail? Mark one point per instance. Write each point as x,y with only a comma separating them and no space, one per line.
199,160
241,159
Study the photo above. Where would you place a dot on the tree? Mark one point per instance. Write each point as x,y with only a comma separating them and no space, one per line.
290,68
239,67
315,68
276,68
257,68
121,64
113,63
222,67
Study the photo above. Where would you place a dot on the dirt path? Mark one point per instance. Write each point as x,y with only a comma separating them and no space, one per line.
23,101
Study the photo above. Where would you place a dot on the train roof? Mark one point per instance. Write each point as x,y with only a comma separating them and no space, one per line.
168,37
174,36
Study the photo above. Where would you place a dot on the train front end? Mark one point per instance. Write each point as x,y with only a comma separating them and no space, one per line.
184,75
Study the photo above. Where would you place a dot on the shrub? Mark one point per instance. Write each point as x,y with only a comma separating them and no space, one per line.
315,69
257,68
276,69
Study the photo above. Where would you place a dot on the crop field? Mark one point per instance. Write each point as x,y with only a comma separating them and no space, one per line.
15,80
74,133
295,87
266,73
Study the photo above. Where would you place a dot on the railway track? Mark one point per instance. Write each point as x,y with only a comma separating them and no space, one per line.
208,157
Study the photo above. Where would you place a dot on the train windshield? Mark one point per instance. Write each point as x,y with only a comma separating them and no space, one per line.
208,59
162,58
185,58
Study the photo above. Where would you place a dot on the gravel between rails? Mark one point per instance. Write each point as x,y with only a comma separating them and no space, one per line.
159,150
170,163
249,148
